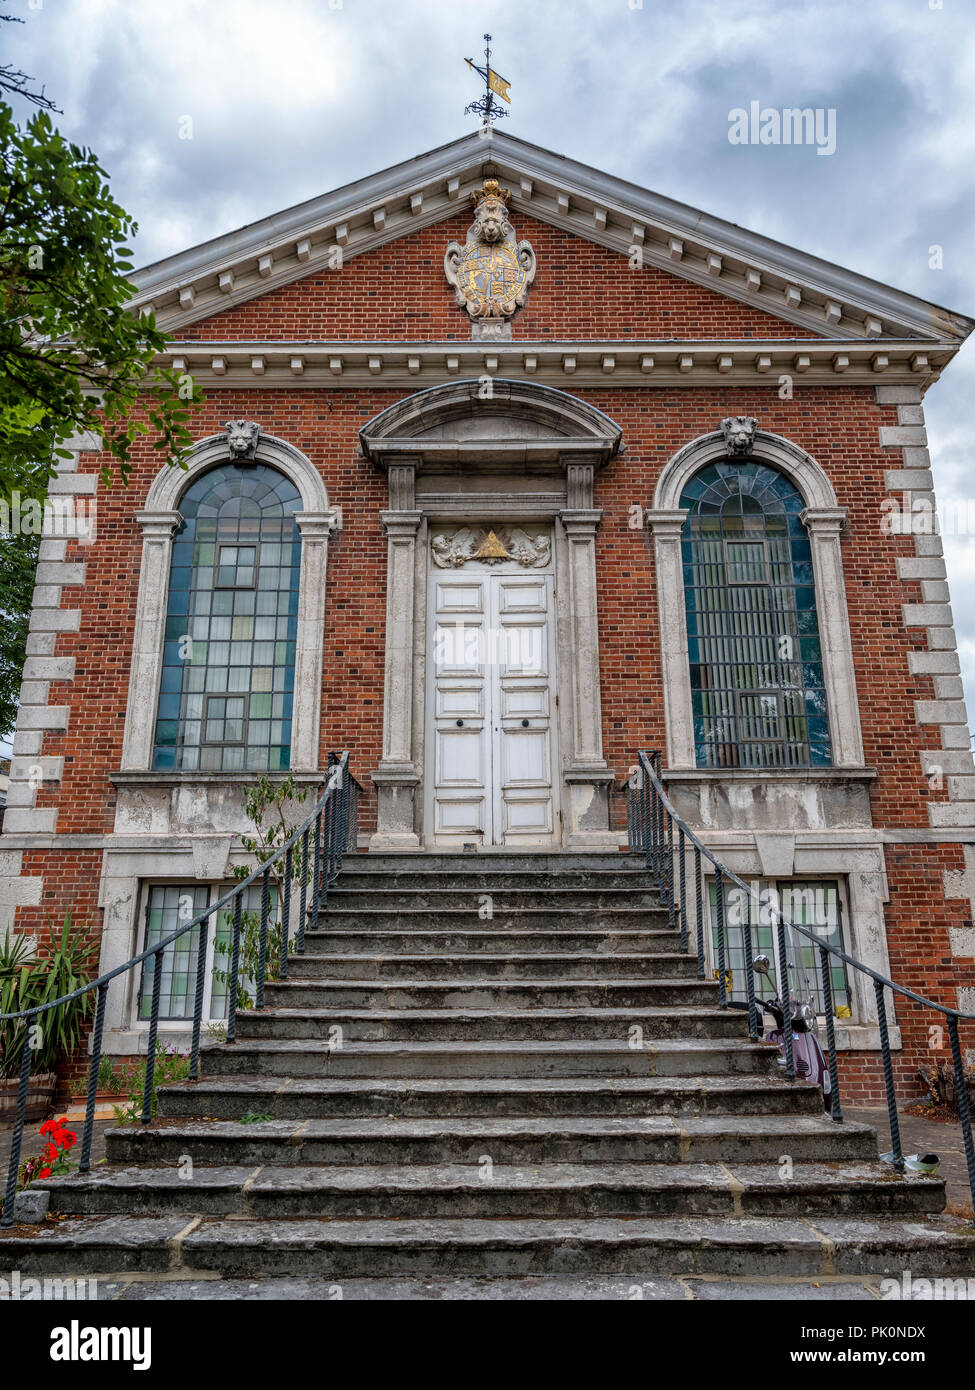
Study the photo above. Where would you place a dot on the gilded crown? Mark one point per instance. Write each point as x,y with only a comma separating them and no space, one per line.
491,189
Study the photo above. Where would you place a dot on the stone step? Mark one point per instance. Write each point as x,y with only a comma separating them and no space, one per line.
129,1288
439,1025
464,1139
608,919
304,1057
231,1097
469,942
488,1190
479,993
670,1245
494,862
503,900
497,965
479,878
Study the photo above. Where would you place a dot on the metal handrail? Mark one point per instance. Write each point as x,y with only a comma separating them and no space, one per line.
334,824
651,823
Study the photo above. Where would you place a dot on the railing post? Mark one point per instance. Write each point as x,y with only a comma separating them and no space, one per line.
649,827
234,968
897,1156
722,954
16,1138
151,1041
84,1163
746,933
964,1110
699,912
262,939
201,972
316,892
303,906
286,913
834,1071
785,998
669,850
682,866
659,817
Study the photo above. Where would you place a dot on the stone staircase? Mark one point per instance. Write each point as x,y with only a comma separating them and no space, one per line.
488,1069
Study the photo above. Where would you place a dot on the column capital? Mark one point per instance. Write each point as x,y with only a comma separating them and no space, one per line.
580,521
316,526
824,521
666,525
401,525
158,525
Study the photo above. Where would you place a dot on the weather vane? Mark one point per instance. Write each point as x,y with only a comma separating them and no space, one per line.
494,85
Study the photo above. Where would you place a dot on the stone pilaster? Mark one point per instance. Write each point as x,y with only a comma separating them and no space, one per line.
824,525
397,776
147,644
584,769
666,528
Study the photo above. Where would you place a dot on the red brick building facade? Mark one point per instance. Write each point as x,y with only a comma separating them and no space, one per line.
572,430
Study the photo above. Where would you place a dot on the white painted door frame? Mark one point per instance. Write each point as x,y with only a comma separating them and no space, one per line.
492,771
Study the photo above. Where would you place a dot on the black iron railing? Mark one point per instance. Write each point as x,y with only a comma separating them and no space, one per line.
666,841
319,844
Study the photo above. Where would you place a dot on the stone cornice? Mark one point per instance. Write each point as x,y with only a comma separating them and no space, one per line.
567,365
320,235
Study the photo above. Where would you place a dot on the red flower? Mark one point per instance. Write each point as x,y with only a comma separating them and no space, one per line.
49,1126
50,1152
44,1173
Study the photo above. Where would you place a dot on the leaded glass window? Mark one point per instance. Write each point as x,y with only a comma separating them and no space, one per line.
812,903
168,907
756,665
225,702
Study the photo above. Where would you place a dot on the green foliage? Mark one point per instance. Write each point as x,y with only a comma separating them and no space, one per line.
250,947
62,965
171,1065
265,808
18,560
112,1077
73,358
253,1118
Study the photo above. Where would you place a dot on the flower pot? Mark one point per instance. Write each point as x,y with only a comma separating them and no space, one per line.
40,1097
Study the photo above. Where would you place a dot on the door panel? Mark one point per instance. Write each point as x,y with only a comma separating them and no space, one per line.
491,708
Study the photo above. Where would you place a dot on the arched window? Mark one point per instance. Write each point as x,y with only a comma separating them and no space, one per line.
756,670
226,693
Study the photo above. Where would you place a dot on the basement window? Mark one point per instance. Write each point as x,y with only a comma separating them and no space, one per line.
167,907
817,904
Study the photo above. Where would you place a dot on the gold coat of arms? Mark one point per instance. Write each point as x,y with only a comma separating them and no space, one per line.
491,272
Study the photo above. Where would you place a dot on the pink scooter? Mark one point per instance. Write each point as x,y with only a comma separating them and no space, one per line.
807,1055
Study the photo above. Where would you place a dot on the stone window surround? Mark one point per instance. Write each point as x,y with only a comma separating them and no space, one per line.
861,872
823,520
159,520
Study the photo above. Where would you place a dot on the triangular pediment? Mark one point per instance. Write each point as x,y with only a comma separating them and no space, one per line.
821,299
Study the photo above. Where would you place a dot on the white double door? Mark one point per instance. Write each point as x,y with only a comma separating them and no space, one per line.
491,709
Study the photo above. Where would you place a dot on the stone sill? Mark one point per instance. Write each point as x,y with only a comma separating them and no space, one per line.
859,1037
784,774
181,779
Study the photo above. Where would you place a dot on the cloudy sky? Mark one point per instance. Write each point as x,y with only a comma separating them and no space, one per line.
289,98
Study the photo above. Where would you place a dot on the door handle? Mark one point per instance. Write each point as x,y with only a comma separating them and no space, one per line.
524,723
460,723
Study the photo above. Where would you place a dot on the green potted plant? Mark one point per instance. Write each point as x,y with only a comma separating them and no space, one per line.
29,979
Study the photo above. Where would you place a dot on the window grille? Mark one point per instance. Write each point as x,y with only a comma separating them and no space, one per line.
756,668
